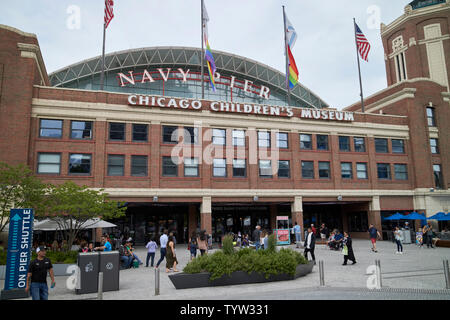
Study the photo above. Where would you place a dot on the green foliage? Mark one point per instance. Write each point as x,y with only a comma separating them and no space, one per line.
227,245
19,189
69,257
267,262
272,243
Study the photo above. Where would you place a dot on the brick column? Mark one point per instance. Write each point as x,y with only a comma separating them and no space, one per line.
297,212
192,224
374,216
155,158
273,216
205,215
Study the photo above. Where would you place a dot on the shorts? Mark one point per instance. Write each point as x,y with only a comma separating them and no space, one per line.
374,240
323,236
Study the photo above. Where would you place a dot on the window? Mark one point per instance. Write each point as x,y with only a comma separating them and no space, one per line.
170,134
400,172
398,146
116,165
139,166
305,142
322,142
265,168
191,167
384,171
239,168
140,132
283,169
400,67
80,164
324,170
434,146
344,143
282,140
381,145
50,128
358,221
431,117
263,139
361,170
190,135
117,131
81,130
238,138
346,170
308,169
360,144
49,163
170,168
438,176
219,168
219,137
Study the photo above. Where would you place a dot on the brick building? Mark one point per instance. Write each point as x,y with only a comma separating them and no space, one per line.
241,156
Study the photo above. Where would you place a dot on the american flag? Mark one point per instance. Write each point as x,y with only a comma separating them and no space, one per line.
108,12
362,43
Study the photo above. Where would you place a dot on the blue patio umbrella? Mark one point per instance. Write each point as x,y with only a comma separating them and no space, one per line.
414,216
397,216
438,216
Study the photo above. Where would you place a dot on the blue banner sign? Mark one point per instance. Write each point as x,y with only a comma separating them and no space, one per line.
19,248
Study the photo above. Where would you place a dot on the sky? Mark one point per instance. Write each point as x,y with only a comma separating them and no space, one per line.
70,31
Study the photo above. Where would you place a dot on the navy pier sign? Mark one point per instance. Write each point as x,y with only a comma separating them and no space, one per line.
19,248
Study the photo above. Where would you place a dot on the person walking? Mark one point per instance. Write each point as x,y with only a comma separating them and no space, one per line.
310,244
171,257
398,239
193,245
202,242
37,275
151,247
428,234
374,234
162,247
348,249
298,234
257,237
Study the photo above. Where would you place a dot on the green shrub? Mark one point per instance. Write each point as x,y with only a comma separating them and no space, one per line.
268,262
272,243
3,255
55,257
227,245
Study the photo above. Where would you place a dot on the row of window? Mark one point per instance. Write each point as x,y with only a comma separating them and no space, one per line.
84,130
80,164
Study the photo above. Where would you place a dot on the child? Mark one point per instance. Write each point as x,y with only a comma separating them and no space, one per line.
151,246
193,245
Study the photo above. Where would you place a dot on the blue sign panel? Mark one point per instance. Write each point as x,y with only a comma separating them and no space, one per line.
19,248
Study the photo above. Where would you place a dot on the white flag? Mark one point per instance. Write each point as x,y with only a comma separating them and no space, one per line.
291,34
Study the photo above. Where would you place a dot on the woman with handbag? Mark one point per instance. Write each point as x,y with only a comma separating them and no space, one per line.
347,251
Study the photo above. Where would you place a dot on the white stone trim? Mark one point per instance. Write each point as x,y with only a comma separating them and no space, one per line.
34,52
407,93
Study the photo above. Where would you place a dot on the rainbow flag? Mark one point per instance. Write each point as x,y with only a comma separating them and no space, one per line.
293,71
208,54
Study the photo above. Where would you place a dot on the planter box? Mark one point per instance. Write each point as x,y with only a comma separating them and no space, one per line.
198,280
59,269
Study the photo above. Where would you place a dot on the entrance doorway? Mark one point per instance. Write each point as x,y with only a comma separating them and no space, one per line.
228,218
318,213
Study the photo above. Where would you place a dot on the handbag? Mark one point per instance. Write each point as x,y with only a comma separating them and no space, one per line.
345,250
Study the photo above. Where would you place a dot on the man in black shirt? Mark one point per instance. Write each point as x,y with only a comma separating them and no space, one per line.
37,273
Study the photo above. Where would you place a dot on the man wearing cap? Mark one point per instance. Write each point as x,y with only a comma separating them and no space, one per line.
37,273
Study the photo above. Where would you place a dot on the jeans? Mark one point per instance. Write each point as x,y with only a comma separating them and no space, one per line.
150,255
257,245
429,240
136,257
399,245
126,261
39,291
163,255
298,237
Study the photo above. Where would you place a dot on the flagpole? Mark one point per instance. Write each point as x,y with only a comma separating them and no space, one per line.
359,69
202,55
102,75
287,60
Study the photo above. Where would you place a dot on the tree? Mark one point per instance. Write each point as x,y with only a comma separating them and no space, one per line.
71,206
19,189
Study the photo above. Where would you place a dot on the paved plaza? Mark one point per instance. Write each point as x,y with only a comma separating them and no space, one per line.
341,282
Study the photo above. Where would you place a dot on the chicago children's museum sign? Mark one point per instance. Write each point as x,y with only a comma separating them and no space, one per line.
227,107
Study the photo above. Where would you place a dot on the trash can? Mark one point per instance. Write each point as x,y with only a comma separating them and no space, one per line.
406,236
110,266
88,275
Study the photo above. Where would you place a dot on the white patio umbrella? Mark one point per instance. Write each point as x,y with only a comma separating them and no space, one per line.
51,225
